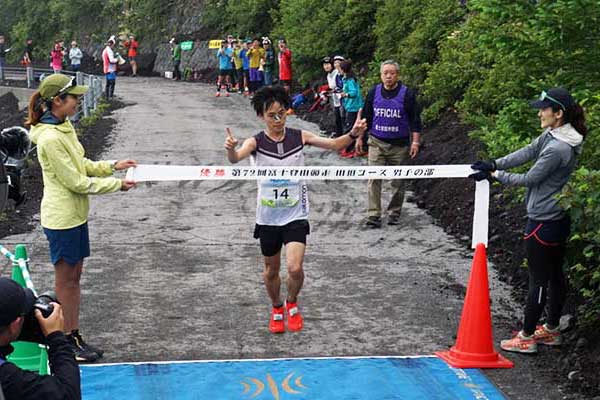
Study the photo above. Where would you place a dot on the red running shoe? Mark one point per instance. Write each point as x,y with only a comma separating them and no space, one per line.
295,322
347,154
218,94
276,324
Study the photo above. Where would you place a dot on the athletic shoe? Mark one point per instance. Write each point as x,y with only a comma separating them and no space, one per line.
520,344
218,94
79,339
394,219
373,222
81,355
276,324
347,154
226,94
295,322
546,336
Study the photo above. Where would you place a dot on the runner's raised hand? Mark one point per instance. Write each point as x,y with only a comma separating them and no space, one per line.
360,125
230,142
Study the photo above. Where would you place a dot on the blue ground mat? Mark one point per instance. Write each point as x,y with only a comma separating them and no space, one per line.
294,379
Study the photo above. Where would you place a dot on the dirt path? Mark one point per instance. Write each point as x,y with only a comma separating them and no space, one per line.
176,275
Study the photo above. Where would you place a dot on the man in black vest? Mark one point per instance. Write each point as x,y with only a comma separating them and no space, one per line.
16,384
394,126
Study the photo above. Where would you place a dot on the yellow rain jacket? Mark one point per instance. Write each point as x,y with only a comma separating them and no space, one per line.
68,176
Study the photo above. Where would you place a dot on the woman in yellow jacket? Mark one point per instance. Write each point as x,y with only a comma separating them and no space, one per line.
69,178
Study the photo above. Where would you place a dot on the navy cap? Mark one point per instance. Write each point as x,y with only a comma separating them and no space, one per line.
554,97
15,301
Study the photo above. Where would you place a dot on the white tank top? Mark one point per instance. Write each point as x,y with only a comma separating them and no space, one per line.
280,201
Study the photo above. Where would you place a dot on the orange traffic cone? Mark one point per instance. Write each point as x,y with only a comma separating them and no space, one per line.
474,346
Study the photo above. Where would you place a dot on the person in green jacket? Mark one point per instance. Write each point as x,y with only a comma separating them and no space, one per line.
176,56
352,101
68,178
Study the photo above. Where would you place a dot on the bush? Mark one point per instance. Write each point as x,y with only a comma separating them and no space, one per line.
409,31
503,55
582,200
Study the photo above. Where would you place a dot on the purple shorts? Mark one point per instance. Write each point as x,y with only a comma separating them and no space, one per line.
255,75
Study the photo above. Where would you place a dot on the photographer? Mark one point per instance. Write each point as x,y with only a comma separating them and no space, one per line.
16,304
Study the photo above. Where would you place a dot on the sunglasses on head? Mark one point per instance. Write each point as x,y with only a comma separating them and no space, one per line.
71,84
544,96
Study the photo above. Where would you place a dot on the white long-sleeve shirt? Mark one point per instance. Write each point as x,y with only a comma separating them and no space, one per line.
109,60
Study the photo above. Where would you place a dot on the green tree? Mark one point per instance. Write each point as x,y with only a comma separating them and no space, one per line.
409,32
317,28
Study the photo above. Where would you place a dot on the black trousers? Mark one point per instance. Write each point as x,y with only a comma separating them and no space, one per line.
339,121
545,248
176,71
348,124
110,88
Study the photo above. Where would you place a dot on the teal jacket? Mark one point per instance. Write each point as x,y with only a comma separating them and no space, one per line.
354,101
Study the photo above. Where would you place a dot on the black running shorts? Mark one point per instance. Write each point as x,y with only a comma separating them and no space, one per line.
272,238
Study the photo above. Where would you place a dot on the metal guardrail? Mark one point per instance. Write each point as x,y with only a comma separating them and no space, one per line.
30,75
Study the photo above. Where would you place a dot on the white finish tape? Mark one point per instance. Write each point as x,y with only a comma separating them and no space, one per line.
155,173
161,173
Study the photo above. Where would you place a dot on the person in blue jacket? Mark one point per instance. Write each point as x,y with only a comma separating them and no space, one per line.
352,100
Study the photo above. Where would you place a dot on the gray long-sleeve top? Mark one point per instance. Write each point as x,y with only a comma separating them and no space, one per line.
555,156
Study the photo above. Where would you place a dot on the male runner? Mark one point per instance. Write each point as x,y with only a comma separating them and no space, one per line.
282,205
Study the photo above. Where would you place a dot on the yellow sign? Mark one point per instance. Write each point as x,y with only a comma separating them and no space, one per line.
273,387
214,44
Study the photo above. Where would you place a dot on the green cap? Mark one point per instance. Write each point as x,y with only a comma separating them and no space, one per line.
59,84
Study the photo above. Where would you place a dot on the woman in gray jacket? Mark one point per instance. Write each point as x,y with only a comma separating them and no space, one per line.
554,154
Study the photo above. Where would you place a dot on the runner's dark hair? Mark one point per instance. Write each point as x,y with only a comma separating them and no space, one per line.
266,96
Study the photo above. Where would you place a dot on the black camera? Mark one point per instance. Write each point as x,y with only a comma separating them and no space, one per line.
14,149
32,332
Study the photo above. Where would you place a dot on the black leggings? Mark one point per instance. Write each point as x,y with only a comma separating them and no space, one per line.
545,247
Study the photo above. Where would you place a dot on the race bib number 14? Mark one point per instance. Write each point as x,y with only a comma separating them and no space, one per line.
280,193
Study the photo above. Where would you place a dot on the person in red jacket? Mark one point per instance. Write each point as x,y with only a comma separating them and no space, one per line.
285,65
132,46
